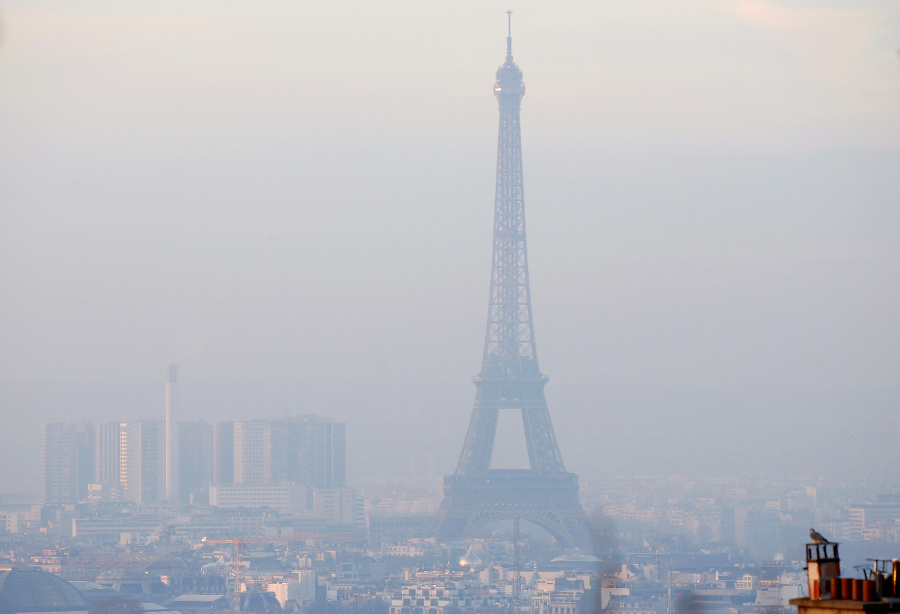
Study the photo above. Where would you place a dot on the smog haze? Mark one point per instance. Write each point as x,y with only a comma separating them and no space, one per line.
293,202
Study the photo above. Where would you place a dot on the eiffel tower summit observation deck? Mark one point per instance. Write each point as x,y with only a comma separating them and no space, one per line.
510,379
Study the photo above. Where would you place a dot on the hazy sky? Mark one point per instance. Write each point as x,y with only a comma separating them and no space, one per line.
293,202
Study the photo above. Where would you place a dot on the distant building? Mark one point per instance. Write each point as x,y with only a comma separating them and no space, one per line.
302,590
9,522
107,461
437,598
286,446
336,505
878,520
284,499
66,461
383,530
324,453
142,448
625,604
308,450
252,453
223,453
108,491
85,444
304,450
195,462
569,595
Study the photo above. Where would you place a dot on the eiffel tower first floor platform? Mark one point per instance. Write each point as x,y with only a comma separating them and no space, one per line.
548,500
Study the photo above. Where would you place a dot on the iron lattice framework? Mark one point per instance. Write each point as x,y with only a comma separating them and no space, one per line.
510,378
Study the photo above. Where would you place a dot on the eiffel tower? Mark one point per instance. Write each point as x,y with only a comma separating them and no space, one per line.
546,494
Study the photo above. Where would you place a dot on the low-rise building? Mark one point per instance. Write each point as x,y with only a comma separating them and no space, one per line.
284,499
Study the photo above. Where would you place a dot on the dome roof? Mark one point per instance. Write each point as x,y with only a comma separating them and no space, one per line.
33,590
470,559
259,602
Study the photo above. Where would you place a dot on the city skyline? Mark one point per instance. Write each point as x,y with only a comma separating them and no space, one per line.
128,461
293,204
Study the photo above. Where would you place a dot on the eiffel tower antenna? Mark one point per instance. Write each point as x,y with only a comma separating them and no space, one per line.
510,379
509,36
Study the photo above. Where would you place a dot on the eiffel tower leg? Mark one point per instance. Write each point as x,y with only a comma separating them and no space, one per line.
543,451
478,447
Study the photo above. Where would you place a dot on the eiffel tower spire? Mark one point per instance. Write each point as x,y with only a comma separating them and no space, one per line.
509,37
510,378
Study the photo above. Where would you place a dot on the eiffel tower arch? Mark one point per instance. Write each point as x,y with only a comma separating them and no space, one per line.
546,494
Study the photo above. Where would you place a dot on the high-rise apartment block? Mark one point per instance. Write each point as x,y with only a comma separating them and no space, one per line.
223,453
195,462
304,450
106,453
66,461
58,462
84,451
308,450
172,449
252,453
142,457
326,454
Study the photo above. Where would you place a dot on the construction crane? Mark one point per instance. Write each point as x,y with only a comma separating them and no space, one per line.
237,542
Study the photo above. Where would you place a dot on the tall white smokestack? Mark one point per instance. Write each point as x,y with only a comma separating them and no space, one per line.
171,438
